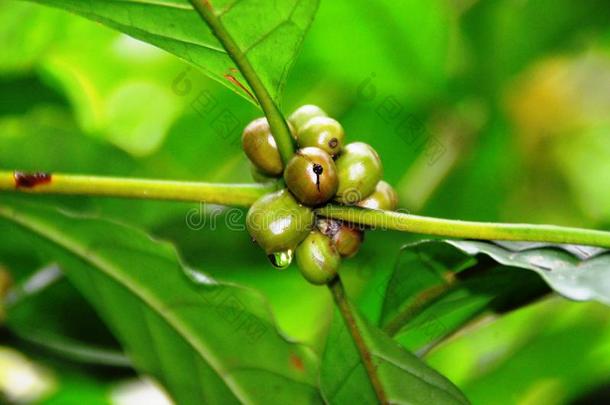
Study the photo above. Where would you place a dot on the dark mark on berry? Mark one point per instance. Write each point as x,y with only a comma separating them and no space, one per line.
318,170
333,143
31,180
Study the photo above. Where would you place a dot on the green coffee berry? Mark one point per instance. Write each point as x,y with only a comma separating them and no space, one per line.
383,198
277,222
322,132
260,147
303,114
318,258
346,238
311,176
359,170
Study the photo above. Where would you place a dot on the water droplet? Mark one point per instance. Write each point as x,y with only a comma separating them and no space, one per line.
281,260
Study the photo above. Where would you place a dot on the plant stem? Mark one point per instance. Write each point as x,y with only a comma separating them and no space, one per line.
379,219
279,127
213,193
338,292
245,195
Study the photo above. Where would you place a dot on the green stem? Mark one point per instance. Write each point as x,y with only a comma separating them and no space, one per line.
279,127
213,193
338,293
245,195
466,229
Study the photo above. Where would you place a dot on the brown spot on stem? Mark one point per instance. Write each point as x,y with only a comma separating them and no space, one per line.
31,180
297,362
236,82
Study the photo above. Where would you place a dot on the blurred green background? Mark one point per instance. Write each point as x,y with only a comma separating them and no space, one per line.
492,110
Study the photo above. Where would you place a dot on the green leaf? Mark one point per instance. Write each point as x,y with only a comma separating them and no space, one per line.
438,286
46,310
580,273
268,32
207,342
550,352
402,376
435,289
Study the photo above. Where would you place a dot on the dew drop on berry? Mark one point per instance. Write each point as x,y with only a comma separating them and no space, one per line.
281,260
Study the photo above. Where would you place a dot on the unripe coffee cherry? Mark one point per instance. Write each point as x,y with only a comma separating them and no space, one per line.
277,222
317,258
359,170
311,176
383,198
259,146
322,132
346,238
303,114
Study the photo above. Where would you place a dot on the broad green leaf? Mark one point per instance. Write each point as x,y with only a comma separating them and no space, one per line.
207,238
207,342
269,32
550,352
46,310
404,378
106,80
580,273
438,286
435,289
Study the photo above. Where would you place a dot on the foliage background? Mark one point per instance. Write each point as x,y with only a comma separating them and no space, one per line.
516,92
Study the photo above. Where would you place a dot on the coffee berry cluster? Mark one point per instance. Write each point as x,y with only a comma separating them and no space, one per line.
322,170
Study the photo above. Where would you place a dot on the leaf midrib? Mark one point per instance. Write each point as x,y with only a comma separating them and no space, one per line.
77,249
423,378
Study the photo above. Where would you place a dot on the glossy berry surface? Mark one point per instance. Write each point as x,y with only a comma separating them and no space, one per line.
383,198
317,258
261,149
303,114
322,132
346,238
277,222
359,170
311,176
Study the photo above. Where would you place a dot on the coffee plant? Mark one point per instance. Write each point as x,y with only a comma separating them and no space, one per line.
367,292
